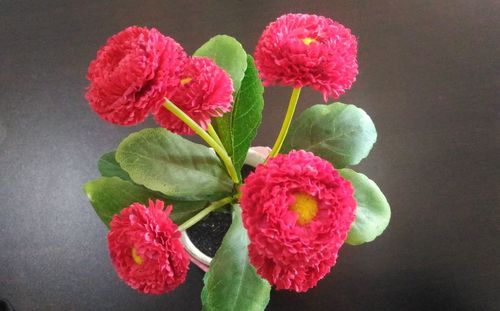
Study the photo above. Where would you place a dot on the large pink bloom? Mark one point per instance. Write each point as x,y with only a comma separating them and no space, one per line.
145,248
131,74
297,210
308,50
203,91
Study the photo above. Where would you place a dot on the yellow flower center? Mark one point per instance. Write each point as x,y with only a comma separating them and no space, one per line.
306,208
186,80
308,40
137,259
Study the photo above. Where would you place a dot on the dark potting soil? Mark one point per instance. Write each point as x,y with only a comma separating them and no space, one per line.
207,234
246,170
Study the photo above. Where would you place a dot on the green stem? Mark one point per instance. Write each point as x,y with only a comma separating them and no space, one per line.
214,135
212,207
294,98
204,135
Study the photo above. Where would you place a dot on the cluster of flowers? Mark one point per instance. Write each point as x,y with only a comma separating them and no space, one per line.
138,68
296,208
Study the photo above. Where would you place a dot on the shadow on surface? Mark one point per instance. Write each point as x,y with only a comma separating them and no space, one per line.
5,305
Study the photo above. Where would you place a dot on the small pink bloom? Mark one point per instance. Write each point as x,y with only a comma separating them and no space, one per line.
308,50
131,74
297,210
203,91
145,248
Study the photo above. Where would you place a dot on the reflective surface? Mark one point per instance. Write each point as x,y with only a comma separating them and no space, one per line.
429,79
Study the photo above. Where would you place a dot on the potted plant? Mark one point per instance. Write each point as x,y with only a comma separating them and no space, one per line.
290,216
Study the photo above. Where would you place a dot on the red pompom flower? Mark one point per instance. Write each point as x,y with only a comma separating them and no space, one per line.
308,50
146,250
132,73
297,210
203,91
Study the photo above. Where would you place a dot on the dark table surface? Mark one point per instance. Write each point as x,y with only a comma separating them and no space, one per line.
429,78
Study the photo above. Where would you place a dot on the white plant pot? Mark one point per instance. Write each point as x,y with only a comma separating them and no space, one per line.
255,156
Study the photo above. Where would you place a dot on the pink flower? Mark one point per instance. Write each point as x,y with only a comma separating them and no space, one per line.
308,50
145,248
297,210
203,91
131,74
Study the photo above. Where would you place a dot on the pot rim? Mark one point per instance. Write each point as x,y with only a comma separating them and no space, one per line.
255,156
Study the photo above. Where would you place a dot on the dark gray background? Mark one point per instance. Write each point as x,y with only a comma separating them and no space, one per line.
429,78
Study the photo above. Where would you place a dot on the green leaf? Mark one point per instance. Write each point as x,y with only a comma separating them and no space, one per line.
232,284
109,195
166,162
373,211
228,54
238,128
108,166
342,134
